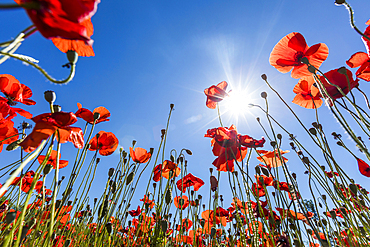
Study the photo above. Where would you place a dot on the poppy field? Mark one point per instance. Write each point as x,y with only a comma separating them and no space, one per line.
251,195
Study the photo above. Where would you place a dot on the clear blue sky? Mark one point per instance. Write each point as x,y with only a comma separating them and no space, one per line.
153,53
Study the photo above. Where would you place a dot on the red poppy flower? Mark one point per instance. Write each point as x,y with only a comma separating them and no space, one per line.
7,131
181,202
305,97
165,169
363,167
282,185
136,212
338,79
52,160
26,181
79,46
105,142
271,158
228,145
147,201
88,116
331,174
139,155
186,224
47,124
362,59
61,18
15,91
289,51
258,190
189,180
215,94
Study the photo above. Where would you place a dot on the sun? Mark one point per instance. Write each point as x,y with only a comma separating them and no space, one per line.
237,102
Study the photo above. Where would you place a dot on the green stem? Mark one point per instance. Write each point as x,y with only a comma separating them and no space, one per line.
68,79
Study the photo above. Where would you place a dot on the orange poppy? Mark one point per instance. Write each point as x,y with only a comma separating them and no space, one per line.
79,46
271,158
189,180
105,142
215,94
181,202
289,51
165,169
305,97
186,224
88,116
52,160
47,124
146,200
139,155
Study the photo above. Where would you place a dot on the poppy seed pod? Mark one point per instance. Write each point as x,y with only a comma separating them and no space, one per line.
264,95
342,70
96,115
57,108
264,77
172,106
50,96
304,60
339,2
72,57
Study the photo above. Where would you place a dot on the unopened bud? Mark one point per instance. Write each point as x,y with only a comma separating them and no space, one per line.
264,95
47,169
264,77
111,172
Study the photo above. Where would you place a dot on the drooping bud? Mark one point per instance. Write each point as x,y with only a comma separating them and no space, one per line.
50,96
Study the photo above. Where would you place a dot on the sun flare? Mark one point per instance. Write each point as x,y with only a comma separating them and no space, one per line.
237,102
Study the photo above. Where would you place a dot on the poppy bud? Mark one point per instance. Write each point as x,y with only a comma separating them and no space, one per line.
264,95
50,96
188,152
14,145
172,106
279,136
339,143
264,77
97,160
313,131
72,56
151,150
258,119
273,143
47,169
108,226
163,132
110,172
10,216
214,183
96,115
133,143
57,108
211,170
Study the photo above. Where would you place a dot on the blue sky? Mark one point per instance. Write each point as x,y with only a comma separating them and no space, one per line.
153,53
